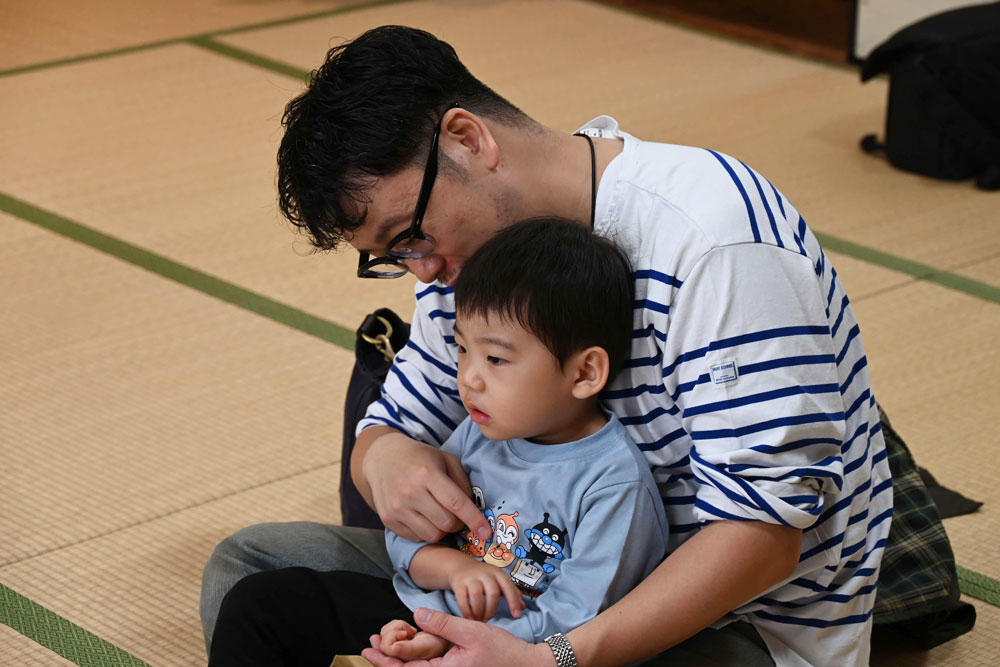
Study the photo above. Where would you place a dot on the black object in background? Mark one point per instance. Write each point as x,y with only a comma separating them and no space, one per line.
943,117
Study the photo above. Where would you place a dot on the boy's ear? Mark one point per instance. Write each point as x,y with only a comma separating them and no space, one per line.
590,369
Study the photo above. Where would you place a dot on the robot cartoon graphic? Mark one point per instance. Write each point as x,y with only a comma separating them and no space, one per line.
547,541
505,533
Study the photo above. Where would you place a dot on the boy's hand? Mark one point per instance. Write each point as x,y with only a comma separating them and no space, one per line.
478,587
401,640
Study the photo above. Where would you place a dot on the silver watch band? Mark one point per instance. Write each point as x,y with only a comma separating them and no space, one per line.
562,650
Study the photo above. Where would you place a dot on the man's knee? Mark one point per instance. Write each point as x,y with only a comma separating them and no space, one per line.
271,546
233,558
246,550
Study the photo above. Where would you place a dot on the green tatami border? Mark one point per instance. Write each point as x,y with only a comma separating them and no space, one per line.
60,635
98,55
979,586
249,57
185,275
909,267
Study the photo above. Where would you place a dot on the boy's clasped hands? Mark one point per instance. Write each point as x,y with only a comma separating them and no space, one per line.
478,587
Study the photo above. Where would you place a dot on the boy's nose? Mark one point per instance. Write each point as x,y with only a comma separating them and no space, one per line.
468,378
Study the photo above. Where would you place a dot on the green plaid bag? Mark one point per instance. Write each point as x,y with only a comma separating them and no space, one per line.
918,593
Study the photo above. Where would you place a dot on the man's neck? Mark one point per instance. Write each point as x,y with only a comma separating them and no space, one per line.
551,171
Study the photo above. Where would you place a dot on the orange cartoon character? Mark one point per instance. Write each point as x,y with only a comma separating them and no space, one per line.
473,545
505,533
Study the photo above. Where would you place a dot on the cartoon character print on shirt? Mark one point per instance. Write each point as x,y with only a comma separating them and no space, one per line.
479,498
505,533
528,566
546,541
472,544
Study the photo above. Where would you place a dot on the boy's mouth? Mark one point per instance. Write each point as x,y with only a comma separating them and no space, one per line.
478,415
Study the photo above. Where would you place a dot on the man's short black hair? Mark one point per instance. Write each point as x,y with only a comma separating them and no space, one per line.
558,280
369,111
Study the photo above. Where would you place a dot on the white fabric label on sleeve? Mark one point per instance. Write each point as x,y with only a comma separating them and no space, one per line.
725,372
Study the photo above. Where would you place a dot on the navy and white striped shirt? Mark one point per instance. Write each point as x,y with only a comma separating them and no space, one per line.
747,385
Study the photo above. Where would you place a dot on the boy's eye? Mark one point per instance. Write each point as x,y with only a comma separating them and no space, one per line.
461,350
496,361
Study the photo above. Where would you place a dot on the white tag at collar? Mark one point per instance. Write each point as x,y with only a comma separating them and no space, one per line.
598,133
602,127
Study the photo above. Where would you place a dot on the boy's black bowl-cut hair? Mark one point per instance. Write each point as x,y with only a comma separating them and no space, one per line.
558,280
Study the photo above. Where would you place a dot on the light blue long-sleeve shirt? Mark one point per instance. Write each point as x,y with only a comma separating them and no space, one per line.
576,526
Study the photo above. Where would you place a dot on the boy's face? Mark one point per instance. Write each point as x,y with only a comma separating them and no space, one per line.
511,384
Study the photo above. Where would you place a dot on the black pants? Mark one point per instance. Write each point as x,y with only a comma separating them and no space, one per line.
303,618
298,616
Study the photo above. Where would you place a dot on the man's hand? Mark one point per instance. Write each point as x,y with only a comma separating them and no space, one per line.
420,492
401,640
474,644
478,587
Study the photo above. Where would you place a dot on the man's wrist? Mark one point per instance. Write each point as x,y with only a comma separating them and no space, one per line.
544,657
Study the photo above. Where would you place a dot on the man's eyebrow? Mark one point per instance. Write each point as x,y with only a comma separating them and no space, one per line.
385,227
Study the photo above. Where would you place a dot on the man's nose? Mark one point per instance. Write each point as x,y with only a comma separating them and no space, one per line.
426,269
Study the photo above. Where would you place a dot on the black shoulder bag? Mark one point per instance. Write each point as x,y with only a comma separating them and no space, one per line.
380,336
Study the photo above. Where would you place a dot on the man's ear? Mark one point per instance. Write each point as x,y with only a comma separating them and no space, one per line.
590,368
467,139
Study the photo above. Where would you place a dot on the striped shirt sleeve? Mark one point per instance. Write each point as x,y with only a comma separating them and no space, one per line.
420,394
750,358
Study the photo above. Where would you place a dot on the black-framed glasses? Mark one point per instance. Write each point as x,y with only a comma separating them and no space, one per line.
412,243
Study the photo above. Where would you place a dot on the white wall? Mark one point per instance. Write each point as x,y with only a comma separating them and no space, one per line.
877,20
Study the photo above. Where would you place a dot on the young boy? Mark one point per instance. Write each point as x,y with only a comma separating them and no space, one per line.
544,315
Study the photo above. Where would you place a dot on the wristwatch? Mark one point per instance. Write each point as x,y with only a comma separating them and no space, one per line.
562,650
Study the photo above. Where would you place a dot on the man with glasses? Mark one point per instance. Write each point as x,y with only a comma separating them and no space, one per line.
412,243
746,388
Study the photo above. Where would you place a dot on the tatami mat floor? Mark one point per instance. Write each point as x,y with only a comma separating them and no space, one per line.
150,410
